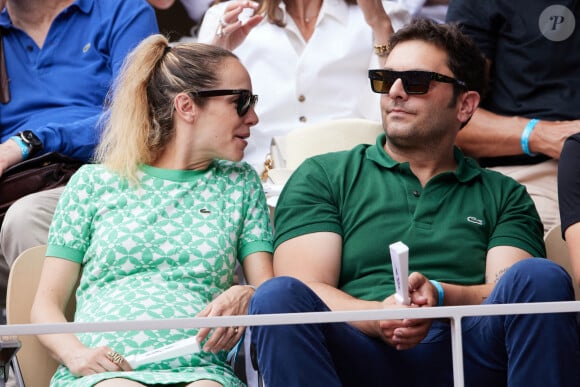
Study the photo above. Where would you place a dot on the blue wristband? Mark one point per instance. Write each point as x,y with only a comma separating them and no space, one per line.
23,147
440,292
526,136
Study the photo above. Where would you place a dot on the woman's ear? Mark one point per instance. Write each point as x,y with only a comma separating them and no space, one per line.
185,108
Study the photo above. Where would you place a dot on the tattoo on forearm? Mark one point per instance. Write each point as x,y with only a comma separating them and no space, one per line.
499,274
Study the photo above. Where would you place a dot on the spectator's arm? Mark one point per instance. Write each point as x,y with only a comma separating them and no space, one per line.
499,259
258,267
315,259
55,288
378,19
489,135
572,235
10,154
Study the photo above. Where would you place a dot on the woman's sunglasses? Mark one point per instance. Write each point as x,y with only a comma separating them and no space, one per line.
243,104
414,82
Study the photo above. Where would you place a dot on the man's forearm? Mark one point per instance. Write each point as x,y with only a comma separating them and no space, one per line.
490,135
466,295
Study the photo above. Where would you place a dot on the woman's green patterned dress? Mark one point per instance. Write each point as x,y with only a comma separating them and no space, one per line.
163,249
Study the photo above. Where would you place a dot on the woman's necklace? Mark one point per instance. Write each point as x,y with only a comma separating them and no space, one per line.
308,17
310,14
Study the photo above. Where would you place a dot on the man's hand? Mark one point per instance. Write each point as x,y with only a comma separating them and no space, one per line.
405,333
548,136
422,292
10,154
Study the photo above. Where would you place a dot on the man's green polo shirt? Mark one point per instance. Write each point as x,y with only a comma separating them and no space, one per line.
372,201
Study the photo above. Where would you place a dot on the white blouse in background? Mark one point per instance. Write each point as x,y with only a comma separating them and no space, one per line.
301,82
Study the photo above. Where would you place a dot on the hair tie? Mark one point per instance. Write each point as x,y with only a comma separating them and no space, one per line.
166,50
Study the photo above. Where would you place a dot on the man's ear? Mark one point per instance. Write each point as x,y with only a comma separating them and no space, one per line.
185,108
468,103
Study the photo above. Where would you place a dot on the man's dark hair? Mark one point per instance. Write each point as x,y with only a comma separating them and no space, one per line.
466,61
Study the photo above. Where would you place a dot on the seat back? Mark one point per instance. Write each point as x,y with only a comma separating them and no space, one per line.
328,136
36,364
557,251
289,151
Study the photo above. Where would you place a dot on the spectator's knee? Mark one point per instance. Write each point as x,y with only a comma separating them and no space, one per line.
542,279
282,295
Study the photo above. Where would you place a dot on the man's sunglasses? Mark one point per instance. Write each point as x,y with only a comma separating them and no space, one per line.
414,82
243,104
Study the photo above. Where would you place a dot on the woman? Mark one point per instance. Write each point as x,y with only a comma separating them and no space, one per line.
308,58
156,229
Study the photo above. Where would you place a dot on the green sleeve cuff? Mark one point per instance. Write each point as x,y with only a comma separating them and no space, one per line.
65,253
254,247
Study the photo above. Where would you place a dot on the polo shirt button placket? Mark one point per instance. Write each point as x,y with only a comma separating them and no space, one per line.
416,193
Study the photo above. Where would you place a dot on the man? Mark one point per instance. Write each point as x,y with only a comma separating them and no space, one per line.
61,58
532,57
472,231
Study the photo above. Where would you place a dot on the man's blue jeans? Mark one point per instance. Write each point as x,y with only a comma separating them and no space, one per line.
514,350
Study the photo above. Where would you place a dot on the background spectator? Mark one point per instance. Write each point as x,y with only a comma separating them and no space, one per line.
61,57
533,99
308,59
569,197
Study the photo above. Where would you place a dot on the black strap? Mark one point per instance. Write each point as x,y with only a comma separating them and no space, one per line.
4,84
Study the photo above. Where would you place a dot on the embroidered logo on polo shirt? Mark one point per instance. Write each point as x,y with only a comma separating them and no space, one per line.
86,47
557,23
473,219
204,211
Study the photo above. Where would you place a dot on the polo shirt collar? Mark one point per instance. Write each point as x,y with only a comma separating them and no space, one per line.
84,5
467,168
5,21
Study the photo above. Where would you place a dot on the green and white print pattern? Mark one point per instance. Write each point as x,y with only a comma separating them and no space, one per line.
163,249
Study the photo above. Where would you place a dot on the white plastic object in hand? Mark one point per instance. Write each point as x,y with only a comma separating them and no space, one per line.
179,348
400,261
245,15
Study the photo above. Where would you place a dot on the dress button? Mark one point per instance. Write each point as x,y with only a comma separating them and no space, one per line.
302,119
301,98
416,193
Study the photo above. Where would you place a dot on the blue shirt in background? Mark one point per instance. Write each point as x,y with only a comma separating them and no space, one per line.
57,91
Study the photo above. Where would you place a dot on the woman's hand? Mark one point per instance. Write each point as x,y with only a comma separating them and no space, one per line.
232,302
88,361
231,32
